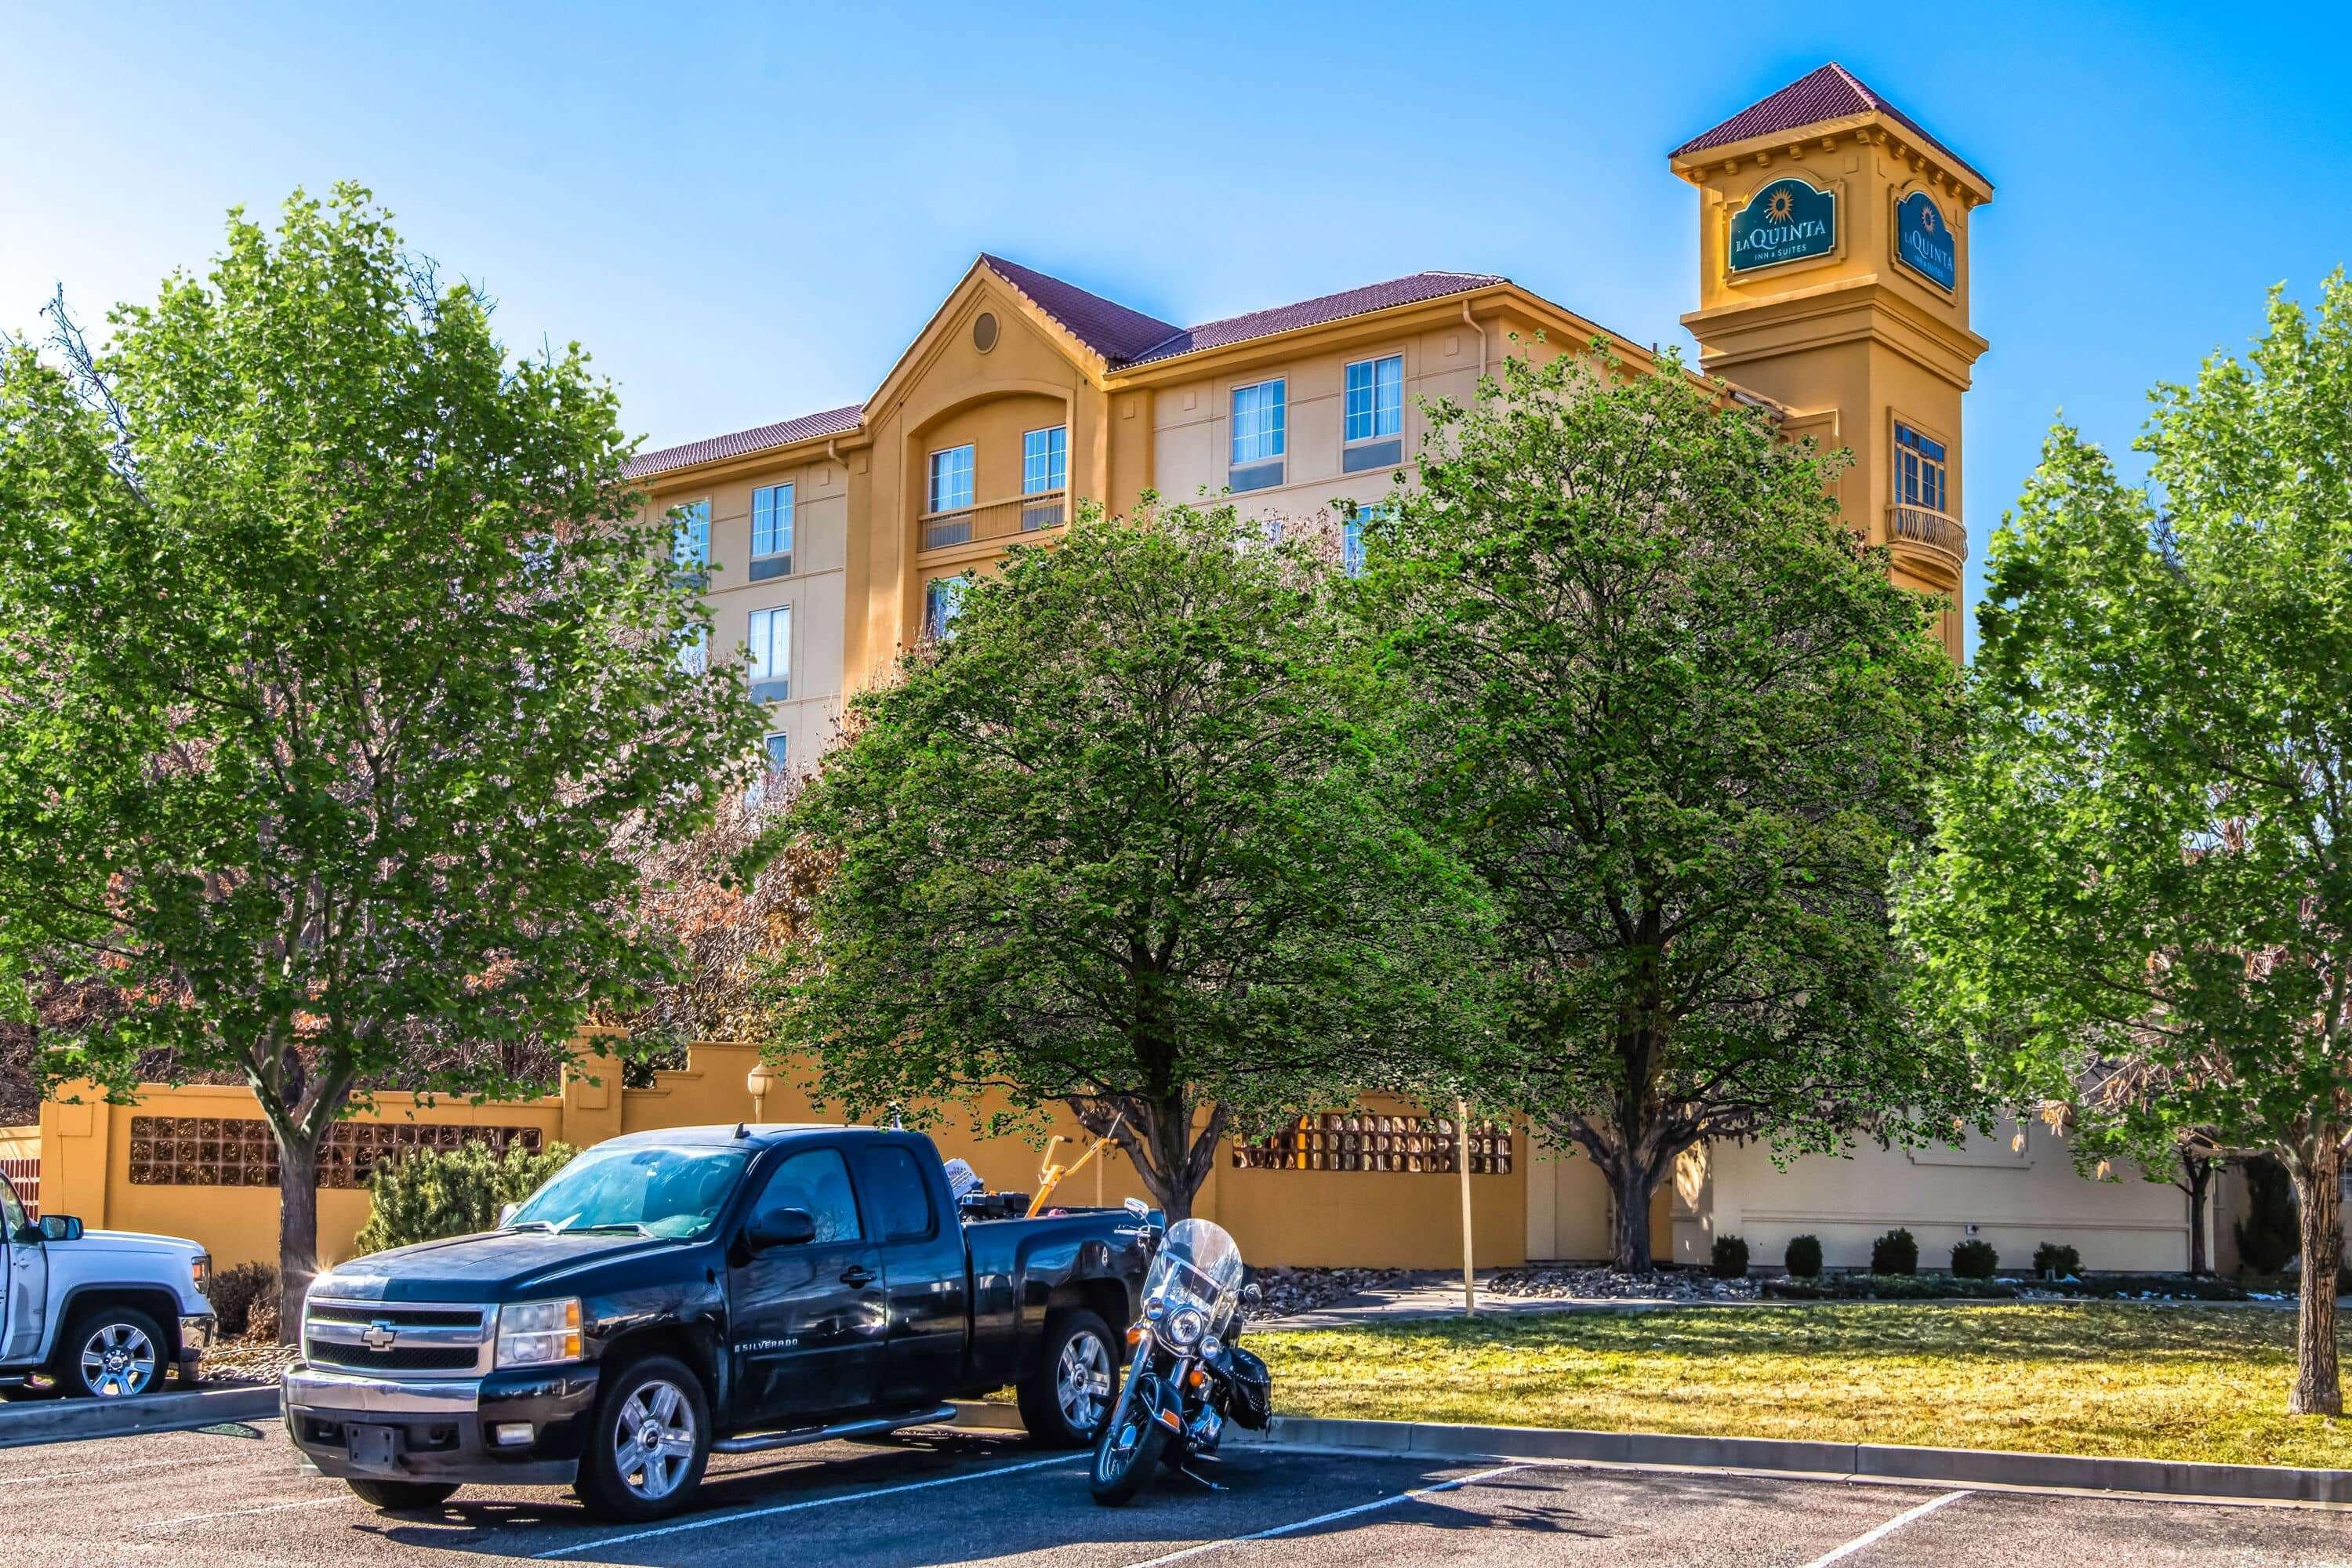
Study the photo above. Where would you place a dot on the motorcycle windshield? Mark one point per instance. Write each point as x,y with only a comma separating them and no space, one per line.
1197,1265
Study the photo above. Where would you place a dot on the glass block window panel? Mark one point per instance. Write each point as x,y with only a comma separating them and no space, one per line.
1919,470
238,1151
772,520
1259,416
1365,1141
770,665
942,596
1045,460
1375,401
689,544
951,480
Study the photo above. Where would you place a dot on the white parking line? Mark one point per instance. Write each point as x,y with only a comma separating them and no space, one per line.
236,1512
1884,1530
587,1546
1453,1485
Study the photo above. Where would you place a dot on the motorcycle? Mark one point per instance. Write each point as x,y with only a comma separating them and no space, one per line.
1186,1377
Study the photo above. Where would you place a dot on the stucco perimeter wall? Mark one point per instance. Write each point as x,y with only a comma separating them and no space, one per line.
2017,1199
1373,1219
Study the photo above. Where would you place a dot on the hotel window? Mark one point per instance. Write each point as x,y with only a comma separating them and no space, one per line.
1919,470
769,665
1045,470
1352,539
777,748
694,650
1260,422
1375,399
771,532
690,539
942,596
951,480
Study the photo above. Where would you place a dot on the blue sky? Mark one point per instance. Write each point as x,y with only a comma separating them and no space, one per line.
745,212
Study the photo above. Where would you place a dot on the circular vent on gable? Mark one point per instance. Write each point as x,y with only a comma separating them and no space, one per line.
984,330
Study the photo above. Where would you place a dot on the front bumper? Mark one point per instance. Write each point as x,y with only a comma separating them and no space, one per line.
196,1332
442,1426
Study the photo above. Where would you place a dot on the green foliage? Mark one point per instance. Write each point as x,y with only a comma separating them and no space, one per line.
2054,1260
235,1292
1975,1259
1676,719
1803,1256
1730,1258
337,683
426,1193
1890,1287
2146,862
1121,842
1897,1252
2269,1234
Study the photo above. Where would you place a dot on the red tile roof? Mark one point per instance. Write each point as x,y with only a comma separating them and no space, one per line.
832,422
1831,92
1123,337
1109,328
1407,291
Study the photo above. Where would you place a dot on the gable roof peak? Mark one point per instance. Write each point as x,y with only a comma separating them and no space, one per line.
1109,328
1825,93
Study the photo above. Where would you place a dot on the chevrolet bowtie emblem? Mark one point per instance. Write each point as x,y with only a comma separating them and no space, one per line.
378,1335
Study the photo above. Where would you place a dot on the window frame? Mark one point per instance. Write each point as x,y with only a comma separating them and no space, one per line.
947,592
1912,462
758,658
1057,459
788,492
695,526
869,1195
848,1178
931,480
1347,392
1280,430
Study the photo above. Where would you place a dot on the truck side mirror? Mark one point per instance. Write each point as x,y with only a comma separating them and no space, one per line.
780,1228
60,1227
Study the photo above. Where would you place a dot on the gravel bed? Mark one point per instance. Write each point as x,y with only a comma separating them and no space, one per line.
246,1361
1279,1293
1601,1284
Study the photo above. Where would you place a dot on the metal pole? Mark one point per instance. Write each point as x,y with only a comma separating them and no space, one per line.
1462,1160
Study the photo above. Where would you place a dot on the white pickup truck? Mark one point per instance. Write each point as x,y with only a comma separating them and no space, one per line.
102,1313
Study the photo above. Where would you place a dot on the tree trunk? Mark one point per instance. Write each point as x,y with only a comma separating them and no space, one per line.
1157,1135
297,1229
1630,1186
2319,1179
2198,1170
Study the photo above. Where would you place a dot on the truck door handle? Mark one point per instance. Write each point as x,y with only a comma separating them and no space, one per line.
857,1274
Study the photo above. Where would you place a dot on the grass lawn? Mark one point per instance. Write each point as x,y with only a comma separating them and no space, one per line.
2099,1377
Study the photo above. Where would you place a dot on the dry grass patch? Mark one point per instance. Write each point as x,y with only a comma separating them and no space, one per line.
2103,1378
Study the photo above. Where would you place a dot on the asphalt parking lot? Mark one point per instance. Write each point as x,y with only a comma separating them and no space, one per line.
236,1498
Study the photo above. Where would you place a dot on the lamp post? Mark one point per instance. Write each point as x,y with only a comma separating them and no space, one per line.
759,1080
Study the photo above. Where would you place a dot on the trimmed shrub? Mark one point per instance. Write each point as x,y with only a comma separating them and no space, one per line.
1730,1258
1891,1288
234,1293
1974,1260
1803,1256
2270,1234
1897,1252
428,1193
2052,1260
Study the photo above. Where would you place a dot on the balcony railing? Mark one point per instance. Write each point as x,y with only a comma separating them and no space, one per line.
996,519
1908,524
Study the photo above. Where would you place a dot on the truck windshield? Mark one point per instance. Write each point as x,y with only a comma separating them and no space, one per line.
671,1191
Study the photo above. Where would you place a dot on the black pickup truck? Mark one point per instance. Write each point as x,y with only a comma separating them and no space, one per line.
668,1295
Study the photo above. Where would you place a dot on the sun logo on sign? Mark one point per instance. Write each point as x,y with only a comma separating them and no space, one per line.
1928,216
1781,207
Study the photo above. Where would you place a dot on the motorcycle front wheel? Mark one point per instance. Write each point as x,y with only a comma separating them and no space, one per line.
1128,1453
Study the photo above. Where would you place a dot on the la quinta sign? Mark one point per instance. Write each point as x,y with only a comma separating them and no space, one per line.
1788,220
1923,240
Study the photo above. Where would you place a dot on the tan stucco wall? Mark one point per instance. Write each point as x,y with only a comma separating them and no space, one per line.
2016,1198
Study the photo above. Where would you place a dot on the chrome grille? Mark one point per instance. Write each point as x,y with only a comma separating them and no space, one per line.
399,1339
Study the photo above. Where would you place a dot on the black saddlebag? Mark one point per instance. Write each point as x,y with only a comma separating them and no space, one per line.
1250,1400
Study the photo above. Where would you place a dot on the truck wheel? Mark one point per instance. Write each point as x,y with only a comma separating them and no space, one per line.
402,1496
111,1353
1064,1402
649,1442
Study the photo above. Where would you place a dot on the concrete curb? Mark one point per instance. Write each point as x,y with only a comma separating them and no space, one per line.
1842,1461
72,1420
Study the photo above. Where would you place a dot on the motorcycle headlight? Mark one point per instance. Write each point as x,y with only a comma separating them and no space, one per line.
539,1333
1186,1325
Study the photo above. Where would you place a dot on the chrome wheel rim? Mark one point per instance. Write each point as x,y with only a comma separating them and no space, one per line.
653,1439
1082,1382
118,1359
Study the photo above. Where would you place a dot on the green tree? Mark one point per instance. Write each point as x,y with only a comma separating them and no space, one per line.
1676,719
2148,856
1118,842
337,677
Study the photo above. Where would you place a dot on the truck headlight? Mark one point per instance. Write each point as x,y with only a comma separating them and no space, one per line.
539,1333
200,1273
